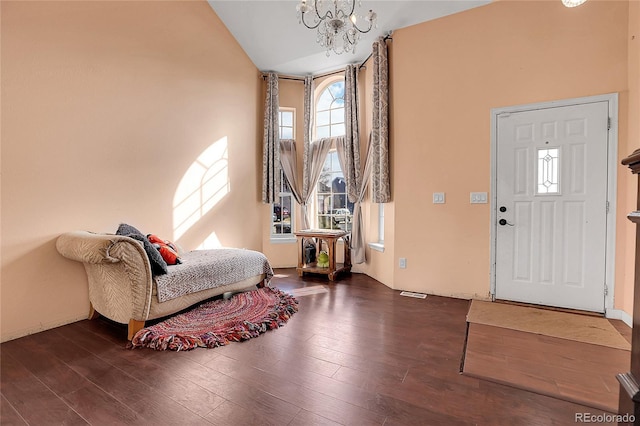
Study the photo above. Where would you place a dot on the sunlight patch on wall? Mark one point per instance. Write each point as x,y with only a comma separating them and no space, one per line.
203,185
211,242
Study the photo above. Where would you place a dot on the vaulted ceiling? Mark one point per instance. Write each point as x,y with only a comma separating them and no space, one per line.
270,34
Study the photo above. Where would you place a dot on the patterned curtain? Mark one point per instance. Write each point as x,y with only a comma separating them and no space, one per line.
308,129
380,127
271,147
351,165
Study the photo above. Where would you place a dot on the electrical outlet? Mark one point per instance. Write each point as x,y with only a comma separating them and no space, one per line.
402,263
438,198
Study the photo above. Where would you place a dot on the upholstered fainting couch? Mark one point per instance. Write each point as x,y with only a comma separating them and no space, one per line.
123,288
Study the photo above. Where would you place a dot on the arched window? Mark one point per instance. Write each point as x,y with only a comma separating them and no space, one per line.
330,110
333,209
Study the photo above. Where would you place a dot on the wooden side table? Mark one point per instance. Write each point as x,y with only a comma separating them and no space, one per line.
330,238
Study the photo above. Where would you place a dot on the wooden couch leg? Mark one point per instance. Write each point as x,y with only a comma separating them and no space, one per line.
93,314
134,327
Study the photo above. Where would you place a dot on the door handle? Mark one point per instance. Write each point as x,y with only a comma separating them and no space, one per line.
504,222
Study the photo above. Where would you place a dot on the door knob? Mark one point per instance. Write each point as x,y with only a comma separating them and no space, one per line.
504,222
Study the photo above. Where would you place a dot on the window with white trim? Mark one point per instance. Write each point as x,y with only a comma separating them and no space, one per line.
381,223
282,212
334,211
379,244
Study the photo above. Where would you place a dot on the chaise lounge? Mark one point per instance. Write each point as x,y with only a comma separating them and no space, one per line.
123,288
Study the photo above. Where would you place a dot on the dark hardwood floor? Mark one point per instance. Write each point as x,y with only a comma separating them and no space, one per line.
360,354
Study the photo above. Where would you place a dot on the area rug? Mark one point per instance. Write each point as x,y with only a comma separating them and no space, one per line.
218,322
564,325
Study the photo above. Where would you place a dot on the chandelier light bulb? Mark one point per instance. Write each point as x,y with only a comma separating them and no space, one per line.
572,3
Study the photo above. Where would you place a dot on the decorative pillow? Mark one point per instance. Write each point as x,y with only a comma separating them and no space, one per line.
158,265
167,249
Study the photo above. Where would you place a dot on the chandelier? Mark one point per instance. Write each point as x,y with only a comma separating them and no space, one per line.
572,3
336,22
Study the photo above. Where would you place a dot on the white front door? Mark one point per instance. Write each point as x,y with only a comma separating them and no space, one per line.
551,195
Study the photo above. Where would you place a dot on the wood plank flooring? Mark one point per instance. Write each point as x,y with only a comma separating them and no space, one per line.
360,354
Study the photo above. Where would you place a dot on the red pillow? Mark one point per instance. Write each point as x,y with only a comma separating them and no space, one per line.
166,248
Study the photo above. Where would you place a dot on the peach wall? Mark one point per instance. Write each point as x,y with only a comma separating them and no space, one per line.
446,77
106,106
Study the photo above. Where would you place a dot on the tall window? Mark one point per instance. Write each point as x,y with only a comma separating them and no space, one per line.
381,223
334,210
282,217
286,116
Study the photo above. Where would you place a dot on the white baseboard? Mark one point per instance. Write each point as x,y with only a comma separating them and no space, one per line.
619,314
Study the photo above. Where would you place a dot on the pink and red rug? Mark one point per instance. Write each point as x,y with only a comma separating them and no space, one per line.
218,322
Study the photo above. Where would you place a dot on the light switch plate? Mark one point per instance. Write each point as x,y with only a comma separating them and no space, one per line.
438,198
478,198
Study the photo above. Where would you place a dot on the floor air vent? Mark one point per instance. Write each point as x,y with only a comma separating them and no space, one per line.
412,294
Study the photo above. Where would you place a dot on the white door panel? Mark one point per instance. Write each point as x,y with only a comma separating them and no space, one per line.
551,180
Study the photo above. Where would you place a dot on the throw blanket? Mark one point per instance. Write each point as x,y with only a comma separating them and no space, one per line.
205,269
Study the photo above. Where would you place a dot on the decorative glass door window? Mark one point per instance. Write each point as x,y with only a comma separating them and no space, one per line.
548,171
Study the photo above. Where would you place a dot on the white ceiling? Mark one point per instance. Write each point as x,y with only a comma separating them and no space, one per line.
269,32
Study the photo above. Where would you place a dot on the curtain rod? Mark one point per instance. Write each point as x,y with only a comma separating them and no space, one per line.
328,73
284,77
385,38
298,78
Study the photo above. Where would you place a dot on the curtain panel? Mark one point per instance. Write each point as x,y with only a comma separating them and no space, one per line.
271,142
318,151
351,151
358,240
380,184
289,163
308,130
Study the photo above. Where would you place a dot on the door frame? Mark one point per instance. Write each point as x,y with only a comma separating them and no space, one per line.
612,167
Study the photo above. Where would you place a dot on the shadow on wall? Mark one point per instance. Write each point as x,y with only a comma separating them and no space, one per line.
203,186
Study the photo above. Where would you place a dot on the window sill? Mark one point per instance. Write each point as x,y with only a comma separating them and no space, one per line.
377,247
283,240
